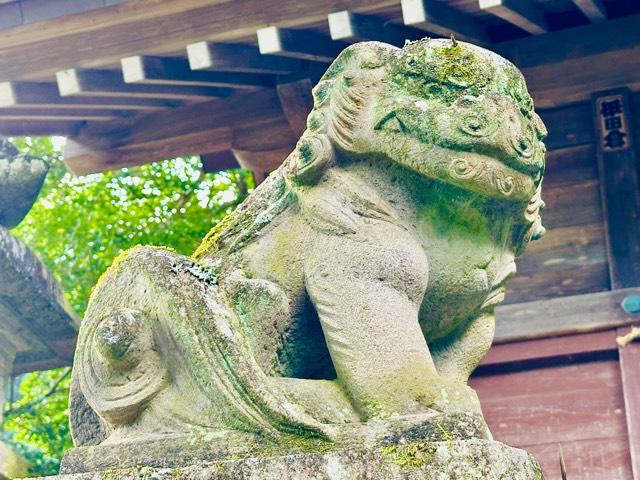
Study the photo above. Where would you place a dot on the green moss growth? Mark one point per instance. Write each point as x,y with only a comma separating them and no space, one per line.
446,72
413,455
118,261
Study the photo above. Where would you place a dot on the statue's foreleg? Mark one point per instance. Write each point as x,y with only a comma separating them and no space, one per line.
460,353
368,310
457,356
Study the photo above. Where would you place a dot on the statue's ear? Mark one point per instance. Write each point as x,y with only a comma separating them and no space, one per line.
313,155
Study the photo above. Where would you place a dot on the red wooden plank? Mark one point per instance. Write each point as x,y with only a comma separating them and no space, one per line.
565,403
595,459
545,348
630,371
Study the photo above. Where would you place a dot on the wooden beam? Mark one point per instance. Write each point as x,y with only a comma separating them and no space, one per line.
619,185
237,57
437,17
218,161
594,10
560,348
524,14
296,102
176,71
262,161
154,28
108,83
602,55
301,44
629,362
19,128
563,316
188,130
62,114
352,27
35,95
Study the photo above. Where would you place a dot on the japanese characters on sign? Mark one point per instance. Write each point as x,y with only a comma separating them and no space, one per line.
613,125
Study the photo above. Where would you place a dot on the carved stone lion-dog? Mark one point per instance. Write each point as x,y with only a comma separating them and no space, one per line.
356,285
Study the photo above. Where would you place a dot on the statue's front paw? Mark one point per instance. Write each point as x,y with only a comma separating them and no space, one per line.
457,397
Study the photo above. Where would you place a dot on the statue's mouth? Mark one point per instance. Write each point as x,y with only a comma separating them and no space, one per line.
497,292
494,298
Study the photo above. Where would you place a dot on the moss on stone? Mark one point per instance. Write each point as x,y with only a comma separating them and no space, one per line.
119,260
413,455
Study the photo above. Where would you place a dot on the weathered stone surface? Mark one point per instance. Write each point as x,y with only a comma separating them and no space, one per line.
11,464
354,290
36,322
195,448
445,460
20,182
7,354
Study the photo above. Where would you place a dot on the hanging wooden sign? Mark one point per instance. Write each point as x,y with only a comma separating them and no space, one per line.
613,122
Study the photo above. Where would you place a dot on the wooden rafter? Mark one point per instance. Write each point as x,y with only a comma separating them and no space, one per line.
61,114
176,71
301,44
523,14
34,95
296,102
437,17
188,130
34,52
238,58
108,83
18,128
217,161
352,27
594,10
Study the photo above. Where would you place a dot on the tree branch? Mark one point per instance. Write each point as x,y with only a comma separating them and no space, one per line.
30,405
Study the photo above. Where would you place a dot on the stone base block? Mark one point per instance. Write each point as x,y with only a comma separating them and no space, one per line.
444,460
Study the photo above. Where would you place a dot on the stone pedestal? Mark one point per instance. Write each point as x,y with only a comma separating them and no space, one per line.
420,447
446,460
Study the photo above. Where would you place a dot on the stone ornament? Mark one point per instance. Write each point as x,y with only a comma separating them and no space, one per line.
349,298
20,181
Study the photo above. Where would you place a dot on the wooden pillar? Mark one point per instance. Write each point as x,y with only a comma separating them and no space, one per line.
619,187
620,194
630,372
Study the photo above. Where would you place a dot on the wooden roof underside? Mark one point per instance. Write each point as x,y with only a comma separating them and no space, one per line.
121,83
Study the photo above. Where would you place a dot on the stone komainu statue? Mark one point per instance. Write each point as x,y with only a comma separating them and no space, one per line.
355,286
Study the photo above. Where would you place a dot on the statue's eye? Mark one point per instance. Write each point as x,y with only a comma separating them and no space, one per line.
476,125
473,123
392,123
523,146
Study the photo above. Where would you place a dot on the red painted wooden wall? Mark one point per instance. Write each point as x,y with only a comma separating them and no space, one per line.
570,392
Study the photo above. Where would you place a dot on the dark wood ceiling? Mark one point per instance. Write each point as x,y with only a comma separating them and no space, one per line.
100,71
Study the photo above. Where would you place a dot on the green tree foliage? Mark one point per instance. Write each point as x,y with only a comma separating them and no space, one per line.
37,424
80,224
77,227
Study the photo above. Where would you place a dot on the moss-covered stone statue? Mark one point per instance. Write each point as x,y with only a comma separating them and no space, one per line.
348,300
